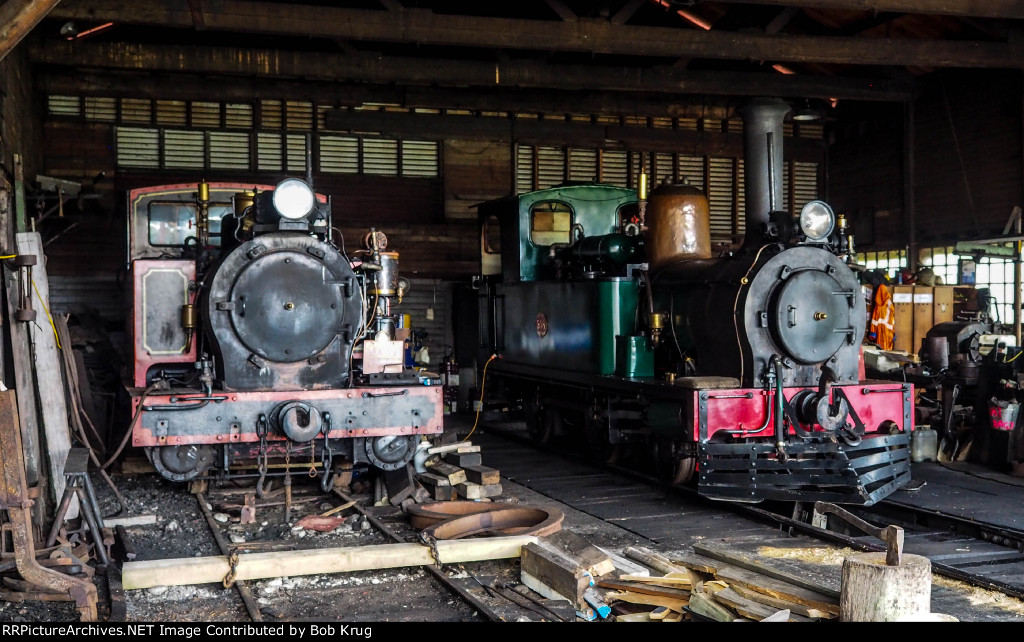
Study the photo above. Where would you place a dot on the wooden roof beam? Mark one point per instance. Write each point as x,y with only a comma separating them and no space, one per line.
589,35
458,73
18,18
1006,9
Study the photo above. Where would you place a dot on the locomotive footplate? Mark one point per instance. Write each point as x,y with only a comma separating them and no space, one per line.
235,417
820,469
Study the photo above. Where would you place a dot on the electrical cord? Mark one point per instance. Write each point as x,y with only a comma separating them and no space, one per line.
483,384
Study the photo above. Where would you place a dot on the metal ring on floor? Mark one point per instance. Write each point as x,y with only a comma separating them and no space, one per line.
520,520
425,515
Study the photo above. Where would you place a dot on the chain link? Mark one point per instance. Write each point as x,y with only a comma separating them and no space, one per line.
229,579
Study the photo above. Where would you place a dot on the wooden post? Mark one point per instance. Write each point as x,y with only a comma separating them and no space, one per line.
872,591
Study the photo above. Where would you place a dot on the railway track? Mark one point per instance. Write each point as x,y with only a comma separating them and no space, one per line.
984,556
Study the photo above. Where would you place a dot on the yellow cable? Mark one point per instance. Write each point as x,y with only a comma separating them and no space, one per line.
483,383
9,256
1014,357
55,337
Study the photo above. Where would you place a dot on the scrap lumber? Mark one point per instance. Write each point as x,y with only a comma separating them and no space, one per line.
594,560
749,608
624,566
634,617
470,490
736,558
253,566
129,521
49,376
706,606
777,603
659,613
779,589
647,589
670,603
553,573
697,563
657,561
482,475
460,447
438,487
672,581
463,459
453,474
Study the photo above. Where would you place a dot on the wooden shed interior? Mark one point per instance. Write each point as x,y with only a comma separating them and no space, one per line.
419,110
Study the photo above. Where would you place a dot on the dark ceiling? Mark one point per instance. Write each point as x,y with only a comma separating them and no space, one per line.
865,50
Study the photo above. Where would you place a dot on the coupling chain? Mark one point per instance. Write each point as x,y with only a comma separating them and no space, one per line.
431,543
229,579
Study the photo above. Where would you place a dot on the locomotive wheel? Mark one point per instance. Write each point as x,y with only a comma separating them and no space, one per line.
671,463
534,416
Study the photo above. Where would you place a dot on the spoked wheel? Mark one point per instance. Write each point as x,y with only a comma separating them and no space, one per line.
673,462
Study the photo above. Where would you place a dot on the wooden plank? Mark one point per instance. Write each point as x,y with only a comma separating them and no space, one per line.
595,561
465,447
556,570
482,475
706,605
645,588
49,377
463,460
650,600
253,566
659,580
657,561
696,562
736,558
749,608
24,383
476,491
453,474
778,603
778,589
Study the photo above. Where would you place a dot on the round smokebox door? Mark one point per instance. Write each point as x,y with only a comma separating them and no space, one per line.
811,316
284,310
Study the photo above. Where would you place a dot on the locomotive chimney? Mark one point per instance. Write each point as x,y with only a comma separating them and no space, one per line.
762,153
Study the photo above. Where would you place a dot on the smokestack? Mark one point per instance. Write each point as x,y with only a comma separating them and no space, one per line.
762,161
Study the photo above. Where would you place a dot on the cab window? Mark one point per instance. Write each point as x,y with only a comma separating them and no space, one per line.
550,222
171,223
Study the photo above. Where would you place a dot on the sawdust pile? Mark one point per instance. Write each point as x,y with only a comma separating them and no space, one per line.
982,597
826,556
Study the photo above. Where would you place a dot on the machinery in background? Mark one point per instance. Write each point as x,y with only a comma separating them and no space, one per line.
619,329
260,345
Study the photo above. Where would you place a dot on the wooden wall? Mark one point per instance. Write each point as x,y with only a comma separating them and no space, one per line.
968,166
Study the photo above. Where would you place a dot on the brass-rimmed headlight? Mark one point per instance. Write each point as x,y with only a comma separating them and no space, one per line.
817,220
294,199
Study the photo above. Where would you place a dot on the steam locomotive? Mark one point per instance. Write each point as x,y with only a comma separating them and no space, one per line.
611,324
259,345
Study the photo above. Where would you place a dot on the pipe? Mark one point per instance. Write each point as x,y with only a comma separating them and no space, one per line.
762,154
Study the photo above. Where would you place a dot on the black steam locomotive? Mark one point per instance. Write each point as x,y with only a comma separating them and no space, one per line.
259,344
614,325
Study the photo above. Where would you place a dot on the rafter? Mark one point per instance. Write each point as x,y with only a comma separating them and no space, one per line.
473,73
1007,9
17,18
590,35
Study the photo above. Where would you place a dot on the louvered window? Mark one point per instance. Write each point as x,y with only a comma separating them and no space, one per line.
171,112
299,116
64,105
270,114
137,147
615,167
269,153
805,186
419,158
205,115
184,149
664,168
524,169
339,155
296,152
583,165
229,150
380,156
238,116
135,110
691,171
550,167
720,197
104,109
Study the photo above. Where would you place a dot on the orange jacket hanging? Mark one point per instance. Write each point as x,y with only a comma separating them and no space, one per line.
883,316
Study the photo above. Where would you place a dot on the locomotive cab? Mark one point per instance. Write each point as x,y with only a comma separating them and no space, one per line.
257,340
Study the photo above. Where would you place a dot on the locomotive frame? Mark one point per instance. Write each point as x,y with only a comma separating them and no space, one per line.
259,345
743,371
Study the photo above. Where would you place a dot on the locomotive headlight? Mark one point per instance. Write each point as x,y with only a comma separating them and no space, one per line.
817,220
293,199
